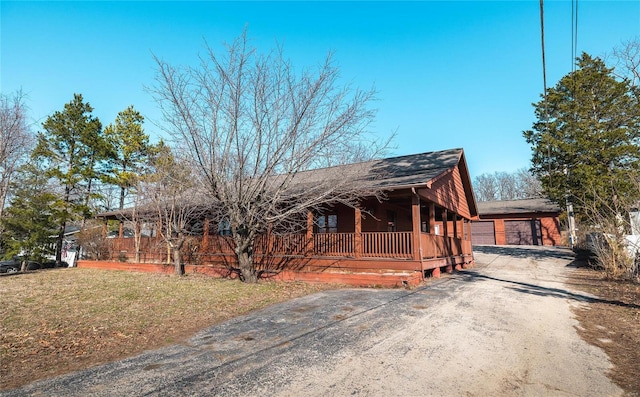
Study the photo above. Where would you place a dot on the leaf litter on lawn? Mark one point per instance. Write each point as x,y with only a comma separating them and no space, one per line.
612,322
62,320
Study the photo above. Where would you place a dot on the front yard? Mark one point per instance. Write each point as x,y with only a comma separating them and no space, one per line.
62,320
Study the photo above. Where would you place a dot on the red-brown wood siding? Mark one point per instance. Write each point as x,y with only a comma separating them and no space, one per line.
346,219
499,228
551,230
448,191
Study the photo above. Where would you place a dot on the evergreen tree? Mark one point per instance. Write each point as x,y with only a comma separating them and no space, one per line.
71,148
31,218
585,141
130,150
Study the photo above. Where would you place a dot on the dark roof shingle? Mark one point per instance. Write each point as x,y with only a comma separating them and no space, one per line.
517,206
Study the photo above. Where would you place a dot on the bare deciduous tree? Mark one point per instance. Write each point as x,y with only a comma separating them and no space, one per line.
15,140
252,124
507,186
173,201
485,188
609,229
626,60
527,185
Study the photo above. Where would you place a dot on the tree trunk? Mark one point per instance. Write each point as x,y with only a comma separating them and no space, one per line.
244,254
177,257
59,243
136,240
177,262
248,272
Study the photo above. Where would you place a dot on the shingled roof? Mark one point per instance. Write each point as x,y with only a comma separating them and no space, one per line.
394,172
517,207
402,172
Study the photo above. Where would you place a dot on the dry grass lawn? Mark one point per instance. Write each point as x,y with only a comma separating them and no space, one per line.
612,322
62,320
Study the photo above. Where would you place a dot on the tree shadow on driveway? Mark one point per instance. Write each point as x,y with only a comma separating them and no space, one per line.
528,288
533,252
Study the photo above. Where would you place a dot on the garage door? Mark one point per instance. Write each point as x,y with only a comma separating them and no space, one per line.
483,233
528,232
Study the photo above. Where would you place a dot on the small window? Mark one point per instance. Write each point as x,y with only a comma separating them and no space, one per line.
224,228
327,223
392,222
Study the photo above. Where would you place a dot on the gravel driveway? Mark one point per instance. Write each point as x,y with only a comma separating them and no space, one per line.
502,328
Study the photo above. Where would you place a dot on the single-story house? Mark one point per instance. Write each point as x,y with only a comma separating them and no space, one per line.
517,222
423,225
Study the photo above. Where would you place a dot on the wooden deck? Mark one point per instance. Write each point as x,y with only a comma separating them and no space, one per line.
357,252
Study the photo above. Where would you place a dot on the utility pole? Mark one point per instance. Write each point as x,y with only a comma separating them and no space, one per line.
570,217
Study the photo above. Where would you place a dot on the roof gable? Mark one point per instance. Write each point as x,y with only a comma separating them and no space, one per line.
452,190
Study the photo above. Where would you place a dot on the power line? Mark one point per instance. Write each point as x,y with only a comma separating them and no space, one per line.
544,63
574,58
544,82
574,34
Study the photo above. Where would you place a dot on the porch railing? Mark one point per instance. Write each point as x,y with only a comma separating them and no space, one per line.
367,245
334,244
434,246
387,244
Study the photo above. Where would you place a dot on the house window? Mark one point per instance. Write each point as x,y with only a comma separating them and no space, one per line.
224,228
327,223
392,221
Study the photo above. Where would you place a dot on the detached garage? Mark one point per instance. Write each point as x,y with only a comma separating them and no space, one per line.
517,222
483,232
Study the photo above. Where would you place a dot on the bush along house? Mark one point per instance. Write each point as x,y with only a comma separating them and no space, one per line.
420,228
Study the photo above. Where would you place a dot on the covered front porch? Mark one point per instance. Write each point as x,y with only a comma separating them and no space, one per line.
420,228
406,233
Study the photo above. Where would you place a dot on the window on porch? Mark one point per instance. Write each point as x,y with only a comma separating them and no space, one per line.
327,223
224,228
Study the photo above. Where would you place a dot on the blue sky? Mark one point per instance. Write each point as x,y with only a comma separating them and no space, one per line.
448,74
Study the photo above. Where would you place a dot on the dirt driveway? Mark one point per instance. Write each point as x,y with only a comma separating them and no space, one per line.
502,328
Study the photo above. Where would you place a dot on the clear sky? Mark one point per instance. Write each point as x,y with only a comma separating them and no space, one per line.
448,74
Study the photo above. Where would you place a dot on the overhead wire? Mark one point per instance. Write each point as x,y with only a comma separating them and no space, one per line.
544,82
574,99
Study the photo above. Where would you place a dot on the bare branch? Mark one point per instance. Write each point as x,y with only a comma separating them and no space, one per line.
15,139
251,125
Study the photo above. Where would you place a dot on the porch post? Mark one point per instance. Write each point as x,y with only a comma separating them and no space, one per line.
432,217
205,232
105,228
445,222
358,233
455,225
309,232
121,230
415,220
447,240
465,229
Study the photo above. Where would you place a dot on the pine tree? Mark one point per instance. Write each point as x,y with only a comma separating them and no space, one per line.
31,218
585,141
71,148
130,150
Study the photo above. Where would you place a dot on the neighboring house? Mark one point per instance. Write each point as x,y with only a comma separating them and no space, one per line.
423,225
517,222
